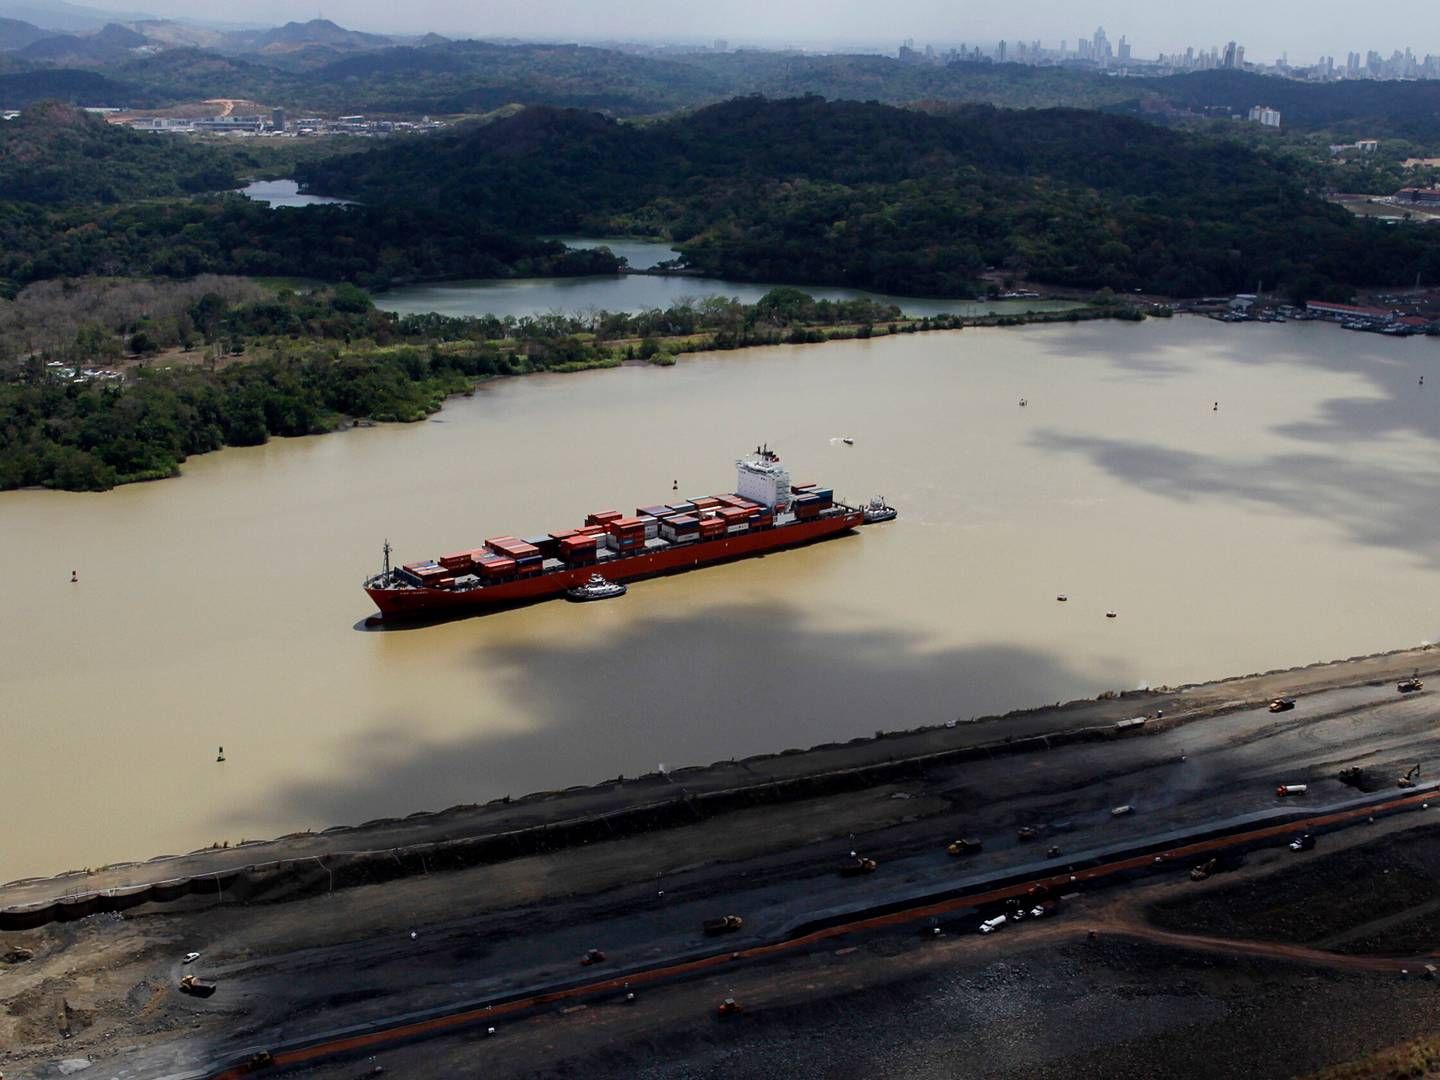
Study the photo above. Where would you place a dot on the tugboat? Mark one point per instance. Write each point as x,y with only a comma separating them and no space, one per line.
879,510
597,588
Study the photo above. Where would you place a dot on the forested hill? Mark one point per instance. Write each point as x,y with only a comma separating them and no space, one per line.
1363,108
910,202
56,154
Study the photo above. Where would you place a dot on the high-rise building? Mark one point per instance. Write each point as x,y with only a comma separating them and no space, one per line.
277,119
1229,60
1000,52
1123,52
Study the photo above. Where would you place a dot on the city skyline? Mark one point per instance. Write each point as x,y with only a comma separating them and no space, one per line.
1270,32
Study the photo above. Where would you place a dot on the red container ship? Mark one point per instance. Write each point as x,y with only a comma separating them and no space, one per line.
766,512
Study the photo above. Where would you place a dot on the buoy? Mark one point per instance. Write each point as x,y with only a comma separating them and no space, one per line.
74,575
675,486
220,755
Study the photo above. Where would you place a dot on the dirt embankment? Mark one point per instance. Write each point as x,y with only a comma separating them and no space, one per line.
378,851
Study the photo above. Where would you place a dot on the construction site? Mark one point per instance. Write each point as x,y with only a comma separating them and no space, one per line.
1230,879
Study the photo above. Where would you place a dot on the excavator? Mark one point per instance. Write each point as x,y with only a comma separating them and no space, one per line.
1408,780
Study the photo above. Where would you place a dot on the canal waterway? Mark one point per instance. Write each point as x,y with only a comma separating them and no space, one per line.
1298,520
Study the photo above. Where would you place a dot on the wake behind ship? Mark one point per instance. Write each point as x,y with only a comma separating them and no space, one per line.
766,512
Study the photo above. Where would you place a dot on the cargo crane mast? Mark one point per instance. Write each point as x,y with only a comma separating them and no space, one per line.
387,559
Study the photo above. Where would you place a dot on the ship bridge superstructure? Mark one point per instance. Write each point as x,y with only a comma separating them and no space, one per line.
761,477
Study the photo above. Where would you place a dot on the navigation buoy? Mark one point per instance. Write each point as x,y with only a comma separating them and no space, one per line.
675,486
220,755
74,575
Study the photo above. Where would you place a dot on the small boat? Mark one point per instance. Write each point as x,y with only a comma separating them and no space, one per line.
1062,598
879,510
597,588
1410,685
1110,614
848,441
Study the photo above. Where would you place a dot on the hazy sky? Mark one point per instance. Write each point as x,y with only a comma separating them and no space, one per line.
1306,30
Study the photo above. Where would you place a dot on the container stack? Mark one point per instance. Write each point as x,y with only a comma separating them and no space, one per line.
711,527
460,562
603,517
627,535
680,528
427,573
577,550
682,508
735,518
807,507
493,567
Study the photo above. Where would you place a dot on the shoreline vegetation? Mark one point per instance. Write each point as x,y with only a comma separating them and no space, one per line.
223,362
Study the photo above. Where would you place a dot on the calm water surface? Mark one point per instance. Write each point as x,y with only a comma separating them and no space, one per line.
641,292
1298,522
286,193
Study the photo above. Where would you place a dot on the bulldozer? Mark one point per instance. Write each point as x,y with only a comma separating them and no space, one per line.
1408,780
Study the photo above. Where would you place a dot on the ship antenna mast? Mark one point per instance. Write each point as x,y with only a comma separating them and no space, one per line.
387,559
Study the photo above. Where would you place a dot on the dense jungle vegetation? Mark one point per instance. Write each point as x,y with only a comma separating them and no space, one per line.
903,201
246,363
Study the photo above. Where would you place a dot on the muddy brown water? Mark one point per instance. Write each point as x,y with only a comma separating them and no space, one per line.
1297,522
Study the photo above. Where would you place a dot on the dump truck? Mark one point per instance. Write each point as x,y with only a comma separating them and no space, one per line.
725,924
1410,685
964,846
1408,780
730,1007
1282,704
196,987
856,865
1027,832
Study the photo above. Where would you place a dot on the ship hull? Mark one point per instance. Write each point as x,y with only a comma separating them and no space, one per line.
397,604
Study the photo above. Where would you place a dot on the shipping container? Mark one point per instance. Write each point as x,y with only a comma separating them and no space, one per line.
798,489
497,567
707,502
603,517
824,493
652,511
682,507
685,521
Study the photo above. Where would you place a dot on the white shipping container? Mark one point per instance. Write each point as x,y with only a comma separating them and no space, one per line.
742,527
